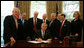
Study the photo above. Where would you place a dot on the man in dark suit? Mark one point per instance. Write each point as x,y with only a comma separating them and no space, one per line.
65,28
22,27
44,20
34,25
10,27
54,26
43,34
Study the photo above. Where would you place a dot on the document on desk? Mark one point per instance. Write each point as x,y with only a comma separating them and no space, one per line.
39,41
34,41
45,41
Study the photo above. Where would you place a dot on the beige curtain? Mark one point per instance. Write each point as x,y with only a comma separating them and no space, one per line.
60,6
24,6
81,15
51,8
81,10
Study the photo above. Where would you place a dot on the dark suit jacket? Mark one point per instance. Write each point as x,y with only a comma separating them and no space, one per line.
10,29
31,26
55,28
46,36
47,22
76,27
21,32
27,29
66,29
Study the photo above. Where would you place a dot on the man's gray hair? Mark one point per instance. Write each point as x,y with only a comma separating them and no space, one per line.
36,12
16,8
59,14
45,14
43,24
53,14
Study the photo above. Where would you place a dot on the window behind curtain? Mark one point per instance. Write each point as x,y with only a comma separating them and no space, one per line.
69,7
6,9
39,6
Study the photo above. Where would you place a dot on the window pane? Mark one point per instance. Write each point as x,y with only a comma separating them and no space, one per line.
69,7
39,6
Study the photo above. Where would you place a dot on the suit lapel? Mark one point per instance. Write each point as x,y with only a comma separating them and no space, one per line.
40,34
37,21
32,22
13,21
64,23
46,21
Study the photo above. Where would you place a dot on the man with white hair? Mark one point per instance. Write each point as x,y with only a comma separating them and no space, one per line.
11,27
53,17
44,20
54,26
34,24
43,34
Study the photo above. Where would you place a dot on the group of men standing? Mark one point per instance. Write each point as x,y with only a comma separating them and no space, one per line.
16,27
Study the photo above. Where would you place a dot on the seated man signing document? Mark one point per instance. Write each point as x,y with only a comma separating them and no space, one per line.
43,34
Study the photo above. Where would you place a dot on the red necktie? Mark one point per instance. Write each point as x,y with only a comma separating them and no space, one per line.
44,21
35,26
60,30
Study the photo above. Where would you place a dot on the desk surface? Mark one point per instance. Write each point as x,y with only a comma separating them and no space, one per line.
55,43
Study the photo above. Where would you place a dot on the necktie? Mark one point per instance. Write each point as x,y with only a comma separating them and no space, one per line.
35,26
44,21
60,30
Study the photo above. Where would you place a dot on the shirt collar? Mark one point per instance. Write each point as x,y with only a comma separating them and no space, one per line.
45,20
63,22
34,19
42,30
14,17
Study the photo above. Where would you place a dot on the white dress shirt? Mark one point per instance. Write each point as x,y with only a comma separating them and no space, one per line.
43,33
16,23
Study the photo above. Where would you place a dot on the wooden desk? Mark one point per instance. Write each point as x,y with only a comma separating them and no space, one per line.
55,43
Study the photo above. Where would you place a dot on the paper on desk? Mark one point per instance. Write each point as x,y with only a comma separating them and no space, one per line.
34,41
45,41
39,42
